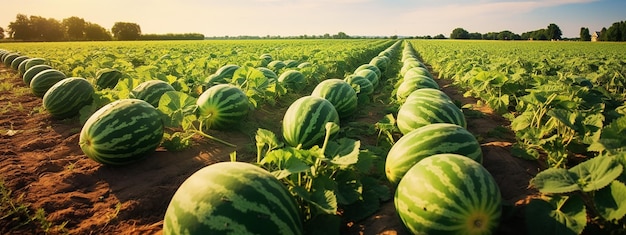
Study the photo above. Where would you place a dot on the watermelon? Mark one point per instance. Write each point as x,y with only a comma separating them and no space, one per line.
214,79
32,62
305,121
382,62
370,75
276,65
412,64
232,198
265,59
8,59
122,132
360,84
340,94
31,72
67,97
269,74
15,64
416,71
291,63
44,80
429,140
410,84
107,78
421,110
227,71
305,65
292,79
448,194
222,106
370,67
151,91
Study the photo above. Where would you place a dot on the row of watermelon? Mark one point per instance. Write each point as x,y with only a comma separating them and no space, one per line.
242,198
442,188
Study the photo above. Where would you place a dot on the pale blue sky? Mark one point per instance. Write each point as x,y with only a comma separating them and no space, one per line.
317,17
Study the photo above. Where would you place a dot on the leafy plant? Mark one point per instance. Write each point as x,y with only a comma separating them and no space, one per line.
328,181
590,189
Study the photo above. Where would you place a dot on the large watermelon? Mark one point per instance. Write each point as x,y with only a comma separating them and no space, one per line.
265,60
360,84
44,80
448,194
15,64
340,94
32,71
292,79
370,75
426,141
305,121
382,62
232,198
227,71
410,84
107,78
8,59
370,67
422,108
32,62
222,106
276,65
67,97
417,70
122,132
151,91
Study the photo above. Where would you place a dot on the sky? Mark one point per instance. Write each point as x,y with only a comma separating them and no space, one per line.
318,17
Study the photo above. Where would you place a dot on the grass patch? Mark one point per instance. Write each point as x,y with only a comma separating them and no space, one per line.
15,214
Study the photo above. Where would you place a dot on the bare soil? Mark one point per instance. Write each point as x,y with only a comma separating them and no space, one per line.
41,162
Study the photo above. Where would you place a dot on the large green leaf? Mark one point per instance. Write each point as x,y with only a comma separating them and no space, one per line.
612,137
344,152
286,161
178,109
563,215
611,201
555,180
597,172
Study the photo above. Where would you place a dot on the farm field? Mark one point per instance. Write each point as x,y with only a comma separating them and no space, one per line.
499,86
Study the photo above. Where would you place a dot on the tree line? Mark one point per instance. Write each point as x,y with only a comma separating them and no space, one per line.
552,32
37,28
615,33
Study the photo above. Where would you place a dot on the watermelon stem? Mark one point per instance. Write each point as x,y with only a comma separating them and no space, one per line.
214,138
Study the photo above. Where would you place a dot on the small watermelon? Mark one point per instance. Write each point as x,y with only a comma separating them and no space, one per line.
222,106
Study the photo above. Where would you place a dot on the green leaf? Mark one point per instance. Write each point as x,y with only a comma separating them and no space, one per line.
267,138
178,108
344,152
611,201
325,201
612,137
558,215
596,173
522,121
555,180
285,162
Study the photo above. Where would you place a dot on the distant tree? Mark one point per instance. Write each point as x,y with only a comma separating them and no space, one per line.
1,33
341,35
603,36
584,34
46,29
614,33
126,31
459,33
74,28
19,29
554,32
95,32
476,36
439,36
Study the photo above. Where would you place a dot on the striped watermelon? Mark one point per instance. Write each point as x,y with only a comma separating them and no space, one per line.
410,84
67,97
44,80
292,79
414,63
305,121
107,78
31,72
291,63
269,74
227,71
382,62
360,84
8,59
122,132
426,141
340,94
15,64
276,65
422,108
222,106
232,198
448,194
416,71
32,62
370,67
370,75
151,91
265,59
